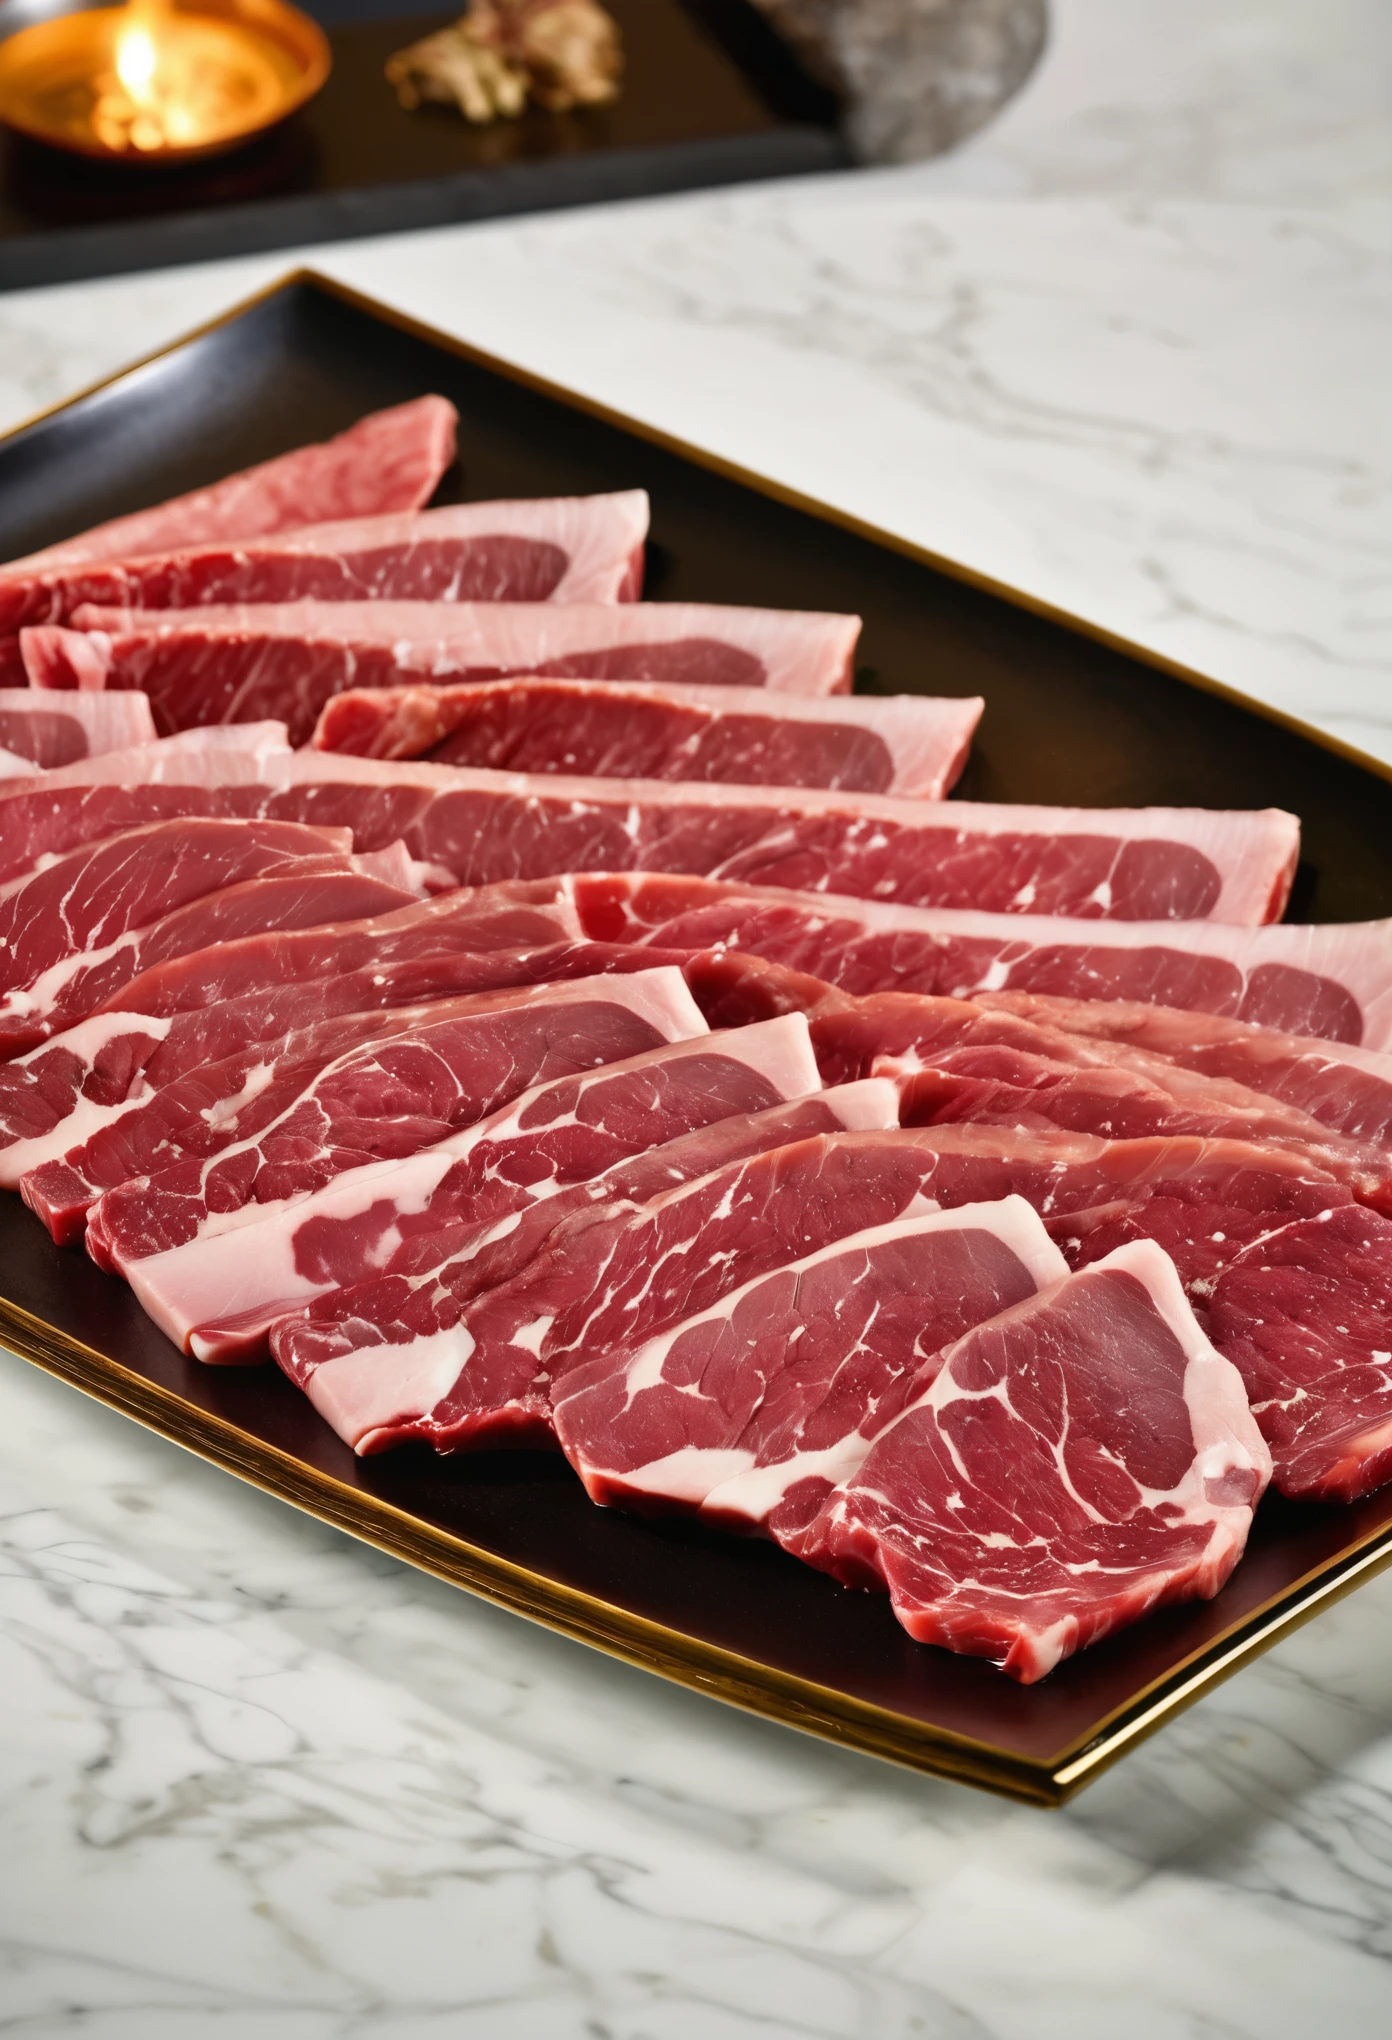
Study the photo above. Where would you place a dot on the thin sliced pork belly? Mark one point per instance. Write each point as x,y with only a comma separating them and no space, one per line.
1083,1458
389,461
240,663
337,957
49,733
484,826
752,1410
376,1359
411,1079
1305,1315
1332,981
562,549
71,935
218,1295
910,745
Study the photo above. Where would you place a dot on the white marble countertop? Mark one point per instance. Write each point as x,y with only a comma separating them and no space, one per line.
1127,350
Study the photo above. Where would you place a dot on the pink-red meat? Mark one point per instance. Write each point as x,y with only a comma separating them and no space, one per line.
1305,1315
482,826
202,1006
981,1082
1333,981
47,733
218,1294
1081,1459
750,1411
72,935
389,461
378,1357
906,744
562,549
214,665
1348,1089
275,1126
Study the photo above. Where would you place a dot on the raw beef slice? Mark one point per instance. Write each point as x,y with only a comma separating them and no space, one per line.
1005,1086
47,733
905,744
218,1295
1123,863
1305,1315
389,461
378,1358
1347,1089
409,1080
752,1410
1204,1201
565,549
957,1061
72,934
1332,981
354,948
1081,1459
238,664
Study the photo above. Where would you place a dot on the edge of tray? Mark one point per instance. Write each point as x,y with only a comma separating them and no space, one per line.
650,1646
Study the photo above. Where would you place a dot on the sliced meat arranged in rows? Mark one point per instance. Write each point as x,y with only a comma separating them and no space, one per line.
238,664
776,1391
379,1359
278,1118
603,1034
218,1294
1078,1454
566,549
210,1003
1112,864
73,934
1334,981
909,745
410,1079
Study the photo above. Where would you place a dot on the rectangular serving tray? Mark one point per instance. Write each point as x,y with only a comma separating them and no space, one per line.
711,97
1072,716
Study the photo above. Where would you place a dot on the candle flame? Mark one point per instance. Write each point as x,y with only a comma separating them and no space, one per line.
181,80
136,61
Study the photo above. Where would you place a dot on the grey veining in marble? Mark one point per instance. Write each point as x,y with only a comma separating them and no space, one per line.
1127,349
258,1781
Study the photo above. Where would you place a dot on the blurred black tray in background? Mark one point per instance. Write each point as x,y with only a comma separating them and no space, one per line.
711,97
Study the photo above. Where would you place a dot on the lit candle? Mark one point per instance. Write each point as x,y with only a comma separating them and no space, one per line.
181,80
158,80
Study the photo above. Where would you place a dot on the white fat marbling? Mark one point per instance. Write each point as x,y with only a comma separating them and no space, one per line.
1127,349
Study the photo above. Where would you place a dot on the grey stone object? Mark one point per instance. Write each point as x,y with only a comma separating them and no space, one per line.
916,76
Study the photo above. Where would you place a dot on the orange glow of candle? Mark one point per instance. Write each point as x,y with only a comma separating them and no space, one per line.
154,81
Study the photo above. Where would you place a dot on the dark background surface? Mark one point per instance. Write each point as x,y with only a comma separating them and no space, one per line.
710,97
1067,720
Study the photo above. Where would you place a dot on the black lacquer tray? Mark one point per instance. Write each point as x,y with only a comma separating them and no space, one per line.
711,97
1071,717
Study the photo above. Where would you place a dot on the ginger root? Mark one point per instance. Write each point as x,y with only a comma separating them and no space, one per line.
559,53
